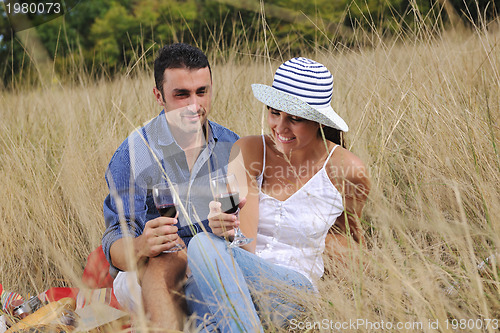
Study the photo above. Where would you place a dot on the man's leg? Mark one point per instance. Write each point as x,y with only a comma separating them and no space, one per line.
161,279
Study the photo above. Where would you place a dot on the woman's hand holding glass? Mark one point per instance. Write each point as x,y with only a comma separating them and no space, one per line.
226,191
223,224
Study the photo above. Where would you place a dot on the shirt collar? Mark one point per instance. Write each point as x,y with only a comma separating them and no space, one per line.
212,136
165,137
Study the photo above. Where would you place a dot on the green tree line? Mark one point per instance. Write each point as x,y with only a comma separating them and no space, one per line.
110,36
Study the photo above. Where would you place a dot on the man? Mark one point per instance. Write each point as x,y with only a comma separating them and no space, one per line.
179,146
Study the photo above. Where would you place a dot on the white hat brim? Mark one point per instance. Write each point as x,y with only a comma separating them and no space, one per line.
282,101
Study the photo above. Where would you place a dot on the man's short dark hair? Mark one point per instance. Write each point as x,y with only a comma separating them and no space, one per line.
178,55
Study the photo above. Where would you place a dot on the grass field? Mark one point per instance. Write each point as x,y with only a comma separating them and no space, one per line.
424,115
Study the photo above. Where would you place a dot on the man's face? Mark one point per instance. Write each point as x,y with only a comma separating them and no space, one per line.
186,98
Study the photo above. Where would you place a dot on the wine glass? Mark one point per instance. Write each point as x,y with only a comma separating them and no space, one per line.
226,192
165,201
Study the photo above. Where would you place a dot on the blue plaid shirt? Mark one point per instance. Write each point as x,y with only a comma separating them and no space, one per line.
147,157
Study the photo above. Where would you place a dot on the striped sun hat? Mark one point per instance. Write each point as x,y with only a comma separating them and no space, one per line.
302,87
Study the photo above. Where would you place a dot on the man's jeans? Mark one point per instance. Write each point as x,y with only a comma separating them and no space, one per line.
235,283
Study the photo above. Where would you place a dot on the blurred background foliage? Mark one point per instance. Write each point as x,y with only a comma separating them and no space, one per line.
104,37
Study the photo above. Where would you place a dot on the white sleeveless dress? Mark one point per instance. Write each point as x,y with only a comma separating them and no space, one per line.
292,233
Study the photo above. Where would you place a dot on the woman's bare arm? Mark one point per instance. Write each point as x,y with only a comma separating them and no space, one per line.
351,178
246,164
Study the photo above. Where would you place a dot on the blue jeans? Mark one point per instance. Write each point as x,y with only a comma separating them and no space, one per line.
234,283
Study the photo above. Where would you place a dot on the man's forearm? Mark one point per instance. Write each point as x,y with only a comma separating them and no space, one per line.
125,254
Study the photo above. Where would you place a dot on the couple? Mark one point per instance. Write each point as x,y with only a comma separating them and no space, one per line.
305,193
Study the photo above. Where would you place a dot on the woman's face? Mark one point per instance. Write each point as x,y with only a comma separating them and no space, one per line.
291,132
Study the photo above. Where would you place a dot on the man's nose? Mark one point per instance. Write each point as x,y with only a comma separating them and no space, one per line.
194,103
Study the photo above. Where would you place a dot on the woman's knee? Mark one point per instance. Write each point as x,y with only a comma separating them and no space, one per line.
205,248
203,243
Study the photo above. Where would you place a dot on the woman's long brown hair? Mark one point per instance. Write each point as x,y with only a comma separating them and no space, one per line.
334,135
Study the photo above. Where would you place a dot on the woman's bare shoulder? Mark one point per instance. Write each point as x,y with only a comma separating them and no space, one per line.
245,141
252,149
346,165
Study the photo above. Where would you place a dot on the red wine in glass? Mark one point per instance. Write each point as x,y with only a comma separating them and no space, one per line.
226,191
167,210
164,197
229,202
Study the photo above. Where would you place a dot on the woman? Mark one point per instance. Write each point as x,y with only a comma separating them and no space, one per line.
305,196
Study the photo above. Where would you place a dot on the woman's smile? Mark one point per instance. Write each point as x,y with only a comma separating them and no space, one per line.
284,139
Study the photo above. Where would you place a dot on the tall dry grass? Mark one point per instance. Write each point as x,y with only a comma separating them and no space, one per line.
424,115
